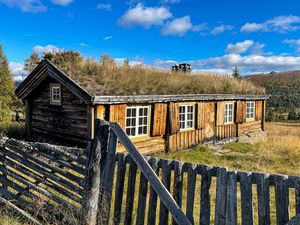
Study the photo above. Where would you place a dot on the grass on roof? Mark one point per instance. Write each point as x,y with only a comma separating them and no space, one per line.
106,77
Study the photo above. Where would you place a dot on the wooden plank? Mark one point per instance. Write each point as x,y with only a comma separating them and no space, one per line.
100,112
174,117
141,210
39,178
221,194
119,188
153,196
191,187
178,184
263,196
92,187
282,200
297,197
246,198
220,113
159,119
117,113
43,171
130,192
107,180
205,196
40,190
200,116
27,118
166,180
231,201
258,110
263,115
39,162
240,112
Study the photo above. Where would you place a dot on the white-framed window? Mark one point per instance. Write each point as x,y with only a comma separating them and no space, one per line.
250,110
229,111
137,121
55,94
186,116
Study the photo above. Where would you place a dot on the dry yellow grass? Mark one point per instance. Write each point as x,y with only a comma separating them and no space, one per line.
279,153
105,77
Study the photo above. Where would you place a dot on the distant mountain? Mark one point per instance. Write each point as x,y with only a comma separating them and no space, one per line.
283,86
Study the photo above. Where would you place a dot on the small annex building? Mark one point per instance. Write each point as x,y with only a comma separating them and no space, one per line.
60,111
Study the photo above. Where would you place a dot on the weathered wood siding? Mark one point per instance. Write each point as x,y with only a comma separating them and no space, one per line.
63,124
165,130
245,126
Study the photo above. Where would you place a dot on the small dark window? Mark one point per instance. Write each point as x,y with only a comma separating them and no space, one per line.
55,94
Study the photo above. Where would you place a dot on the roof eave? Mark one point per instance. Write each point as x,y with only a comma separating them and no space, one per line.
171,98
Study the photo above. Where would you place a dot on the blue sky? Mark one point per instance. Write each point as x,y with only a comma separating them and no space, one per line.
213,35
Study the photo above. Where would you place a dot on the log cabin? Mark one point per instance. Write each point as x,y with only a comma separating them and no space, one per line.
59,110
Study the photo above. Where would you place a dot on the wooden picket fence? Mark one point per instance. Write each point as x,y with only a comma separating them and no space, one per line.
105,187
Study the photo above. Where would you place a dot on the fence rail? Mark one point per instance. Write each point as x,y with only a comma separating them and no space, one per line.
115,188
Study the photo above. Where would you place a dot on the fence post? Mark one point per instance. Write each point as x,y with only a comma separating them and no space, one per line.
92,186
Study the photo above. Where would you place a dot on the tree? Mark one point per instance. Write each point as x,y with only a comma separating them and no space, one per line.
7,87
236,72
68,61
31,62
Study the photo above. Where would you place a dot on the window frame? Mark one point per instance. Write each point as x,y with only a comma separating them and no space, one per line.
137,125
226,121
247,113
186,116
52,100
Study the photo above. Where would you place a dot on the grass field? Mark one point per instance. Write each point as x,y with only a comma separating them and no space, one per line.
279,153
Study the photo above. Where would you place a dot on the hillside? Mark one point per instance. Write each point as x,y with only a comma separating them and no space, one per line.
283,86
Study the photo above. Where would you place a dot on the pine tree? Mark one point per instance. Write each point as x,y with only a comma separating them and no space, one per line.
7,87
236,72
31,62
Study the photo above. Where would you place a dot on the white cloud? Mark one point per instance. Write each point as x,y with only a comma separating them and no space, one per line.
107,38
62,2
280,24
250,63
177,27
28,6
294,43
200,27
144,16
170,1
245,46
221,29
17,69
45,49
133,62
163,64
102,6
84,45
247,64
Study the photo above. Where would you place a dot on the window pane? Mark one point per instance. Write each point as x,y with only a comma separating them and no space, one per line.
128,113
133,112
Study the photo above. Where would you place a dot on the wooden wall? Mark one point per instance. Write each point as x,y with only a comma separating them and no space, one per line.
62,124
209,125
